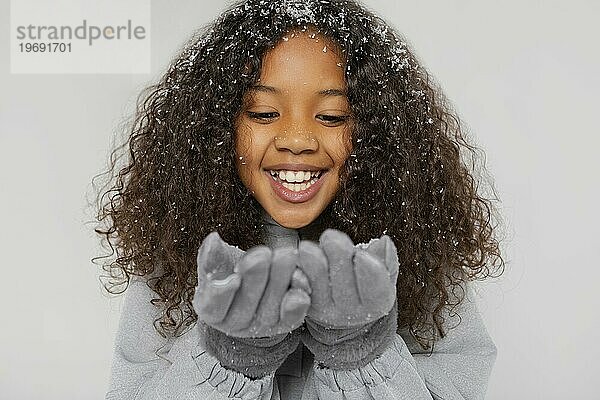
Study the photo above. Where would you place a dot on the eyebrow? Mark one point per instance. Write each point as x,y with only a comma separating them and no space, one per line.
263,88
333,92
326,92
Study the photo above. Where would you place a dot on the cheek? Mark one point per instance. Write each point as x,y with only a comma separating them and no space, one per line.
341,147
243,146
250,147
340,151
347,146
243,156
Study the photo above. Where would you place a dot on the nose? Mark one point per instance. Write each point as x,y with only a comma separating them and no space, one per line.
297,141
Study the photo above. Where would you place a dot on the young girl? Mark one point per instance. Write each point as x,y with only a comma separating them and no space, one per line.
296,220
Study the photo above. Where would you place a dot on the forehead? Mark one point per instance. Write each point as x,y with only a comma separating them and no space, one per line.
303,56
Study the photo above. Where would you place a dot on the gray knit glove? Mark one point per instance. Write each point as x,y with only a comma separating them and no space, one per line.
248,303
352,317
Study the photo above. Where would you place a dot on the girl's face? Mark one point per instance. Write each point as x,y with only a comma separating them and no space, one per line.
294,132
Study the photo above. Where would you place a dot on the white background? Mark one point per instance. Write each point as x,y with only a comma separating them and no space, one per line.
522,74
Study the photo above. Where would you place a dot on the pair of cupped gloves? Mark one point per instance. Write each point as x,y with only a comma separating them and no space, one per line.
252,304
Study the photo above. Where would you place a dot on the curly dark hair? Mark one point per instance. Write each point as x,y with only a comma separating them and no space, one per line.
405,177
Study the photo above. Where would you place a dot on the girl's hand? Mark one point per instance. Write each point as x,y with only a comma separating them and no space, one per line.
353,313
351,285
258,293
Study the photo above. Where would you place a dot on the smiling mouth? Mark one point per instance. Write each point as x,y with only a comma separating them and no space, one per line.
296,181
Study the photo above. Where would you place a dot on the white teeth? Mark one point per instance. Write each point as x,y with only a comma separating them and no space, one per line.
294,176
298,187
296,181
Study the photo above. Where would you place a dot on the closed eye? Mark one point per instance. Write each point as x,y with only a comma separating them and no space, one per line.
333,120
263,117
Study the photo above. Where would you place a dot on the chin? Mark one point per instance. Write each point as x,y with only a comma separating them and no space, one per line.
293,221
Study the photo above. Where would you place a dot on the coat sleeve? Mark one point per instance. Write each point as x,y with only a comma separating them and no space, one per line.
147,366
458,368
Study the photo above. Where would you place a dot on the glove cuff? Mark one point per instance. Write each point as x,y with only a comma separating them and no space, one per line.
347,349
253,357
